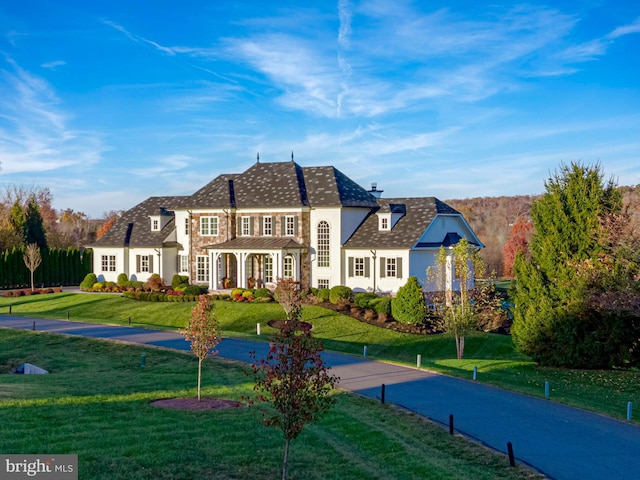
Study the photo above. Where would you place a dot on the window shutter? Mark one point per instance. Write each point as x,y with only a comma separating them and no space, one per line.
351,266
399,267
261,226
251,222
150,263
273,226
383,267
238,226
137,263
367,270
295,226
283,226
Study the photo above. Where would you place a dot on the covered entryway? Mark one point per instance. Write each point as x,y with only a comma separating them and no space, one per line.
254,262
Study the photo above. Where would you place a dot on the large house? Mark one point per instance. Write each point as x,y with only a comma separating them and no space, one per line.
281,220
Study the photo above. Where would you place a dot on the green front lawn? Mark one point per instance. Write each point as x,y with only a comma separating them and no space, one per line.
498,363
96,403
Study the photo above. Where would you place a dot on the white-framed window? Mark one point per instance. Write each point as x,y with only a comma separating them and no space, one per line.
209,226
202,268
384,223
268,269
358,267
183,265
186,226
267,226
144,263
245,226
323,283
391,267
108,263
288,267
323,243
155,224
290,225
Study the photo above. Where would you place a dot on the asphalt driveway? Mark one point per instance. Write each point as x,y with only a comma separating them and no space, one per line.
561,442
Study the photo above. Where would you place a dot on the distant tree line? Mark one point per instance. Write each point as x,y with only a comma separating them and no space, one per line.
504,224
27,216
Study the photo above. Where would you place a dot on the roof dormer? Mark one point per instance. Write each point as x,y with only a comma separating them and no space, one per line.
160,220
389,215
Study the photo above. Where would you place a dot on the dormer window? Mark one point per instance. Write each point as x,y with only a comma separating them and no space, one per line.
384,222
155,225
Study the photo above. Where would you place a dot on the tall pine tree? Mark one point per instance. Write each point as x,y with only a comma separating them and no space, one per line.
553,321
34,226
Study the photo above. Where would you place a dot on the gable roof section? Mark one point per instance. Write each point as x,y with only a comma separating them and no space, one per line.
420,212
328,186
133,229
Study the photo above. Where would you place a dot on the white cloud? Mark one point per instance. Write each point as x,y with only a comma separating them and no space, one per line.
34,131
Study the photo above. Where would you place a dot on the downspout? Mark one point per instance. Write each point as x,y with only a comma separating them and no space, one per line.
373,254
159,252
190,256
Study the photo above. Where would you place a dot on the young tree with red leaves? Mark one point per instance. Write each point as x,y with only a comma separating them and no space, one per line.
293,377
519,240
204,332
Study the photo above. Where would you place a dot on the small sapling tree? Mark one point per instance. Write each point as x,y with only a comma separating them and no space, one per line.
293,378
203,331
458,310
32,259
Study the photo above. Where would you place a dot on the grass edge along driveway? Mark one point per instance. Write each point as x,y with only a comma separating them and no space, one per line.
497,362
96,403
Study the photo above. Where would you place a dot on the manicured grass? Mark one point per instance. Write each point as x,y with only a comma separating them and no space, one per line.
498,363
95,403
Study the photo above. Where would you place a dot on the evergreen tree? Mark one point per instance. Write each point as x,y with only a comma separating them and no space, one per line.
34,226
553,321
18,222
409,305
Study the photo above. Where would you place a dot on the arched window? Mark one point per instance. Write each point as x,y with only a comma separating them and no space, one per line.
288,267
323,243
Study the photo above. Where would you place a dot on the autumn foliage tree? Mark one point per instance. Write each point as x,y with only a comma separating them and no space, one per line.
293,379
204,332
519,240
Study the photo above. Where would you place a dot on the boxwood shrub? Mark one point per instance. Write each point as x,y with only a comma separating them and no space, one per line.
340,292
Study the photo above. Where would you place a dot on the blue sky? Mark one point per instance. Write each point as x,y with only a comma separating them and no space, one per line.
108,103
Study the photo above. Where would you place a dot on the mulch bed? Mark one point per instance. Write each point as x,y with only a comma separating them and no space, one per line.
194,404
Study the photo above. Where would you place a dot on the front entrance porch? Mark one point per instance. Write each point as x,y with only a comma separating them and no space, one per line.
254,262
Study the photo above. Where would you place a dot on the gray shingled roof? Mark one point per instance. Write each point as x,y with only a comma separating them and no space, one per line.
133,229
328,186
282,184
406,233
218,193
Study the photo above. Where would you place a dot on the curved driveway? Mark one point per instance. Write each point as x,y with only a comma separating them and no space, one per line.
562,442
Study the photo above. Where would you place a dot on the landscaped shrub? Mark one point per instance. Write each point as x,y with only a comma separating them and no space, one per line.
409,305
179,281
381,305
343,304
236,291
155,283
364,299
369,315
262,293
340,292
89,280
195,290
323,294
248,294
123,280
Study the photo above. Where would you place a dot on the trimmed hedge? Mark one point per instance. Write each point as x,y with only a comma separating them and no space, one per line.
340,292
